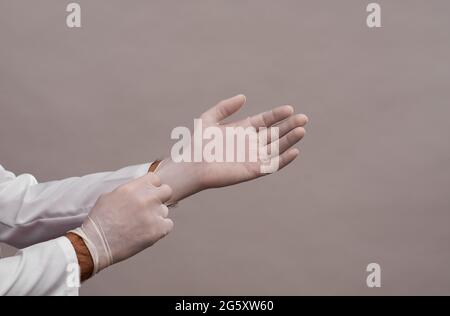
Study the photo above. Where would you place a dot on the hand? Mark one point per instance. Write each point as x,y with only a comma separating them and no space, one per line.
126,221
187,178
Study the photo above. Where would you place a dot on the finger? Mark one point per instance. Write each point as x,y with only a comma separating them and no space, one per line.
224,109
269,118
287,157
164,193
292,122
163,211
154,179
150,179
285,142
167,226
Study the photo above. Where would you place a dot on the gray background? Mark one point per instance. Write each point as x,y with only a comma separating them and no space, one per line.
373,181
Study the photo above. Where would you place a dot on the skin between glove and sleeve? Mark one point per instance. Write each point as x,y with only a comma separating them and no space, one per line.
33,214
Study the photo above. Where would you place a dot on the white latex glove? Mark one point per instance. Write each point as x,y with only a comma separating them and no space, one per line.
126,221
187,178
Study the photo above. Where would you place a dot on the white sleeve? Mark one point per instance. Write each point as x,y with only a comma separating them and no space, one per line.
31,213
42,269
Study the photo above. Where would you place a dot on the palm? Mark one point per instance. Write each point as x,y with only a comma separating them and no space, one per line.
187,178
218,174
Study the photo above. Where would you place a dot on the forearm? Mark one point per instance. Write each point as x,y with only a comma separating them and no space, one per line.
184,181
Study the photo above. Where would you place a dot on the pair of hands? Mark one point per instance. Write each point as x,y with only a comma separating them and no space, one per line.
135,216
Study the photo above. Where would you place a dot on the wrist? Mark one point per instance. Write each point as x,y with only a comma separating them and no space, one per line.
83,255
185,179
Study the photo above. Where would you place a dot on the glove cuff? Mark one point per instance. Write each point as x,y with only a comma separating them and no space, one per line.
95,241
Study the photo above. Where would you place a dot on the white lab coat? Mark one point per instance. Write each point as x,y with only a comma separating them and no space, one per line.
35,215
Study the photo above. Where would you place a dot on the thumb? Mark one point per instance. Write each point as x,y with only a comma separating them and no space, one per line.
224,109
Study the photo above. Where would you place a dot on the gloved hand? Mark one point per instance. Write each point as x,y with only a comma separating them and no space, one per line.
126,221
187,178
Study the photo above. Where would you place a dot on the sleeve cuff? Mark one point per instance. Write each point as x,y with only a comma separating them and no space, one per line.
73,269
133,172
140,170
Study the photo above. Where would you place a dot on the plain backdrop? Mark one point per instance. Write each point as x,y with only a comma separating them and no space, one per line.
371,185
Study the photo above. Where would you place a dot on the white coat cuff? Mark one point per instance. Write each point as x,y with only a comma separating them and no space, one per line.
136,171
73,283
